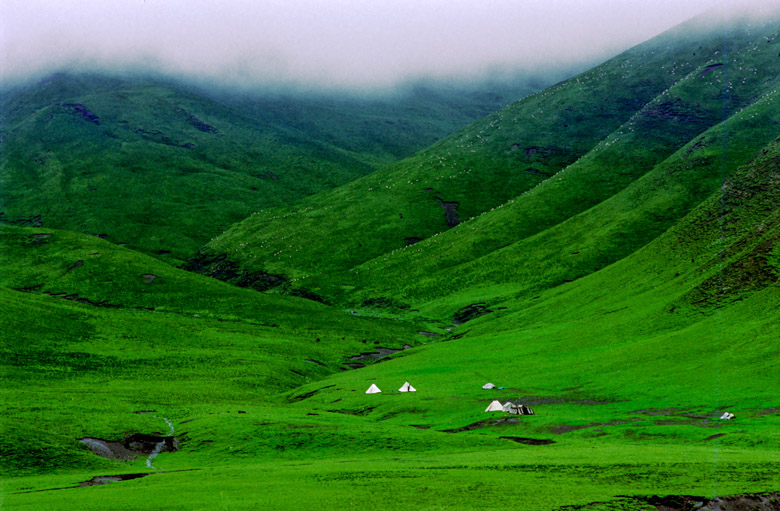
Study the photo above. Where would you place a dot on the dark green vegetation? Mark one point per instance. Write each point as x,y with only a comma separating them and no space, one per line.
626,288
164,167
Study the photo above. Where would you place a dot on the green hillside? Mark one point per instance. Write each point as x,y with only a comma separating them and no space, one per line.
615,268
626,115
164,167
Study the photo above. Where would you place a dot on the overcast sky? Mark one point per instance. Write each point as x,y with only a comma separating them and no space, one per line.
325,42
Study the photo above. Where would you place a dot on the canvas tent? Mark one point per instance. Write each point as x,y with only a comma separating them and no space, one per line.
495,406
727,416
407,388
373,389
488,386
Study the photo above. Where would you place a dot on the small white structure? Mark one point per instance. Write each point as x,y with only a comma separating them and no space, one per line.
726,416
373,389
495,406
488,386
508,406
407,387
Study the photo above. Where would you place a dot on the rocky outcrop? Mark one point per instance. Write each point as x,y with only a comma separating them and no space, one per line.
220,268
82,111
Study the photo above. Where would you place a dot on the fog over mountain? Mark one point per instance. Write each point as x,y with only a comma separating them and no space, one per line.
324,43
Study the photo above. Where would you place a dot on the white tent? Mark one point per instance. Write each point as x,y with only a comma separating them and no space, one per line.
488,386
407,387
495,406
373,389
727,416
508,406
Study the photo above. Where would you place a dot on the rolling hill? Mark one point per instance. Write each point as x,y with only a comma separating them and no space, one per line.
606,252
164,166
606,127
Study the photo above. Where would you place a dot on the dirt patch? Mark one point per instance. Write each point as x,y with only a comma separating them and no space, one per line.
754,502
769,411
310,394
74,266
131,446
420,426
355,365
568,428
528,441
484,424
658,411
379,353
707,70
76,298
311,361
713,437
429,334
148,277
98,480
470,312
218,267
40,239
81,110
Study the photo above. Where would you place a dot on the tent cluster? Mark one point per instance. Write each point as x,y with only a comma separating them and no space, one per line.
512,408
490,386
406,387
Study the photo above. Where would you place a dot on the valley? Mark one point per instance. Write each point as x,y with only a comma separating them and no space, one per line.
197,288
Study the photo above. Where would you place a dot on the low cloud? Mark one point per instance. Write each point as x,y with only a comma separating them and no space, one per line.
324,43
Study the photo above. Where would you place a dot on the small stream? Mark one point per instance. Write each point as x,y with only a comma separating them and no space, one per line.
160,445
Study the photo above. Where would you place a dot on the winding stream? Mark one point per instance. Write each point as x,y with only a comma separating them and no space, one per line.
160,445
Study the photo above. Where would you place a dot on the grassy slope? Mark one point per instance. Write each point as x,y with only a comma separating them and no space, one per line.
496,159
627,367
679,165
184,165
627,370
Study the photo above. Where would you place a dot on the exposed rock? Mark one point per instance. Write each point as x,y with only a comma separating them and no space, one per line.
33,221
305,293
380,353
218,267
98,480
74,266
450,212
131,446
81,110
40,239
470,312
148,277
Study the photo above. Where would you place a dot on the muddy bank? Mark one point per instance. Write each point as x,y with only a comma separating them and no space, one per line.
528,441
747,502
379,353
484,424
98,480
132,446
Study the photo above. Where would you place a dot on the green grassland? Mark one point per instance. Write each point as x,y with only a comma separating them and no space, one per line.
164,166
627,290
612,124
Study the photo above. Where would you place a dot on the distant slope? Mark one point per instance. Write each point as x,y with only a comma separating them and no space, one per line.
164,167
612,125
683,327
